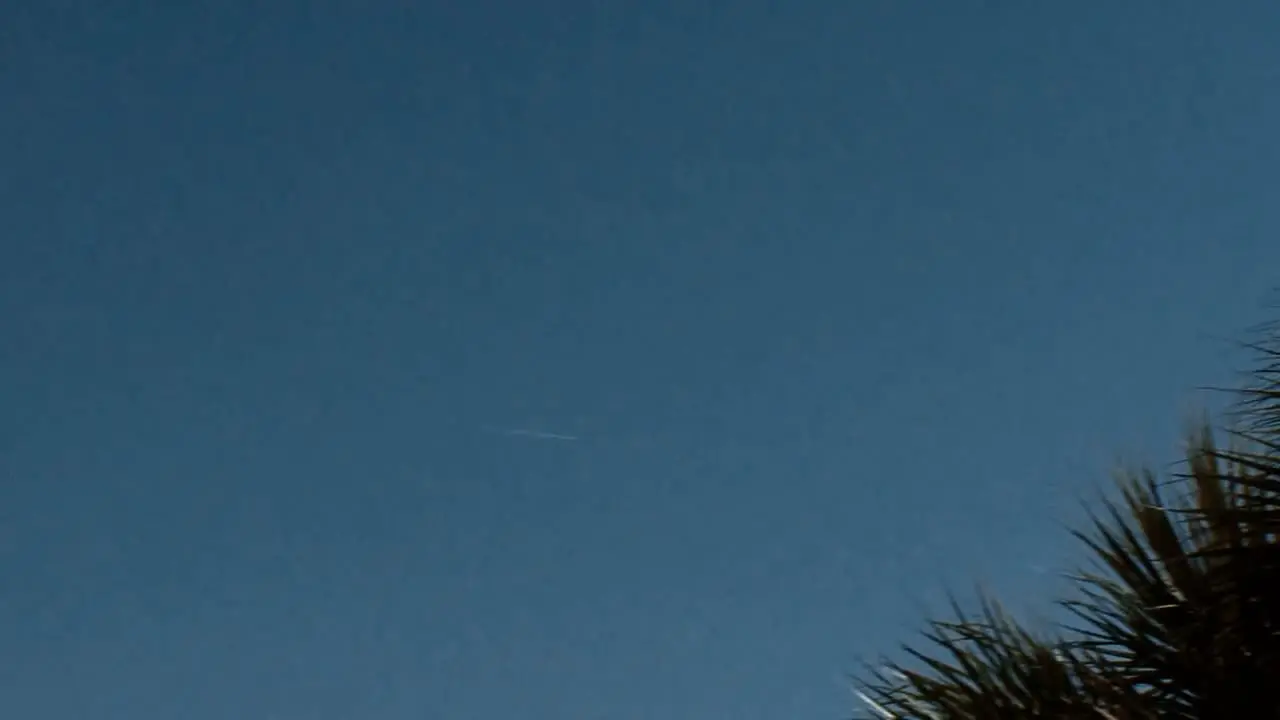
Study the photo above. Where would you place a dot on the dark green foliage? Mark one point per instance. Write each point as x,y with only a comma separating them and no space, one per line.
1180,618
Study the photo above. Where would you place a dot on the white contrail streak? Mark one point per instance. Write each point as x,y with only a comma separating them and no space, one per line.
539,435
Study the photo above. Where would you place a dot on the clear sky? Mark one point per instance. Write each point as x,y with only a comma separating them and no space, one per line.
588,359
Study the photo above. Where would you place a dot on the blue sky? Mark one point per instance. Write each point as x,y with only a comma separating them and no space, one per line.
843,304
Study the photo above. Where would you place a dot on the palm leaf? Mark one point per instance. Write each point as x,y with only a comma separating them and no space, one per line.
1180,617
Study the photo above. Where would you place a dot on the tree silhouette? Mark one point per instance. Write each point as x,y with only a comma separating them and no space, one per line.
1178,615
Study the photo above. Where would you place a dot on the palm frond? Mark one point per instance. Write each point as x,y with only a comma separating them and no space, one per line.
1179,617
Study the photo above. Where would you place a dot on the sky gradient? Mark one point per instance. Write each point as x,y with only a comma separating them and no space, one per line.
588,359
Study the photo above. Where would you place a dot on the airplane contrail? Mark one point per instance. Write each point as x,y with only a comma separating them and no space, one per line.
536,434
541,435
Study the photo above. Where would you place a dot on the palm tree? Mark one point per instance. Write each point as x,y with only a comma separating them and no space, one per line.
1178,617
